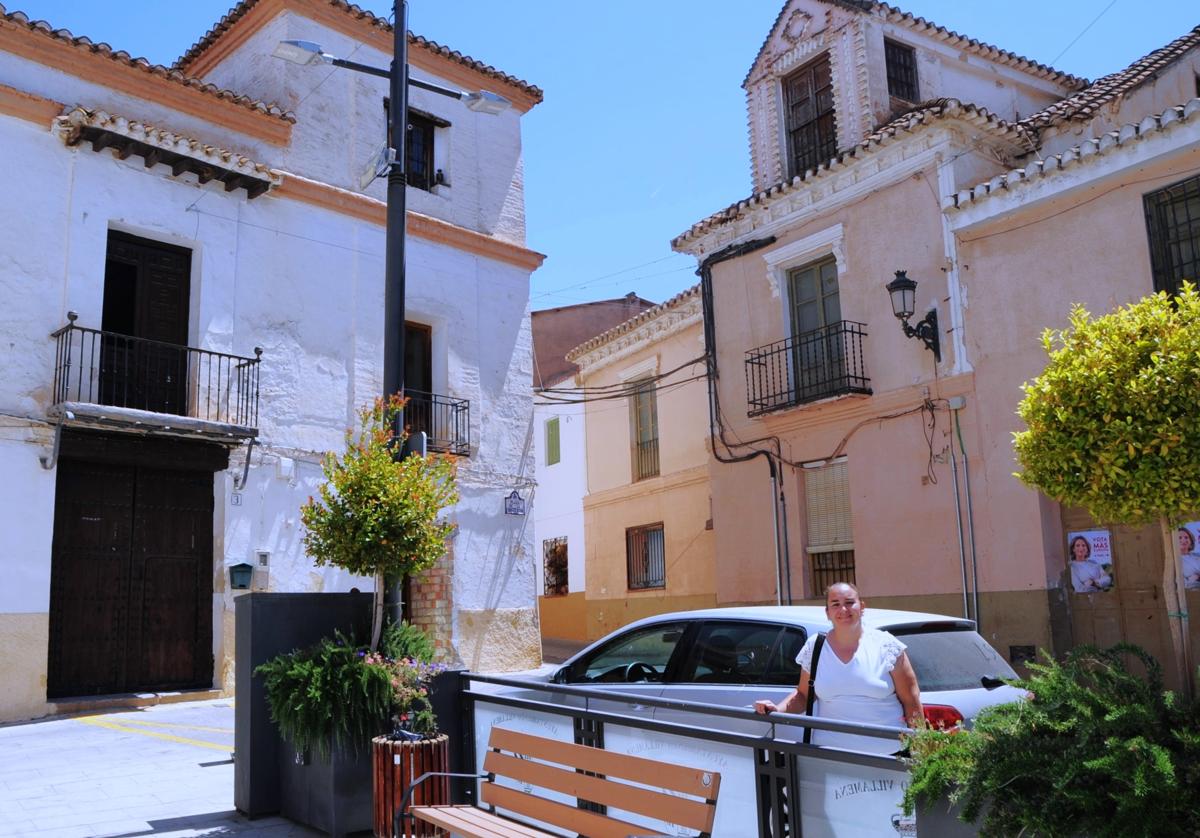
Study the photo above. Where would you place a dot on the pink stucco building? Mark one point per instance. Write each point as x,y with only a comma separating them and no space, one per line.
1008,191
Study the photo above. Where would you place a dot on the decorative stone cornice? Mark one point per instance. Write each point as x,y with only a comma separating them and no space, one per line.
651,326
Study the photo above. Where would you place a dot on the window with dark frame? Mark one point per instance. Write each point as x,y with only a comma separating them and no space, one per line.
643,407
645,557
808,116
901,61
1173,226
419,144
554,561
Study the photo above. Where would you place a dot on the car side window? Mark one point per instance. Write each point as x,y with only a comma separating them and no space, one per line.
730,653
783,669
637,656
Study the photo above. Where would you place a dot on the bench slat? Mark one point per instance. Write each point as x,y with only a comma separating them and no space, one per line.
592,824
694,814
649,772
468,820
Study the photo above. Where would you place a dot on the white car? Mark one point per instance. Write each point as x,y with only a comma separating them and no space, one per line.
732,656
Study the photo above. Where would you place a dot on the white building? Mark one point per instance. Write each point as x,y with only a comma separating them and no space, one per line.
167,224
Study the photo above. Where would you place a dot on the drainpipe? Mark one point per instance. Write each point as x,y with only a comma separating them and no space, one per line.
787,562
962,553
956,404
775,526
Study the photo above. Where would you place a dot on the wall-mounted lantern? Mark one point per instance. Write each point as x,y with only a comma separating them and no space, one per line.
514,504
240,575
903,292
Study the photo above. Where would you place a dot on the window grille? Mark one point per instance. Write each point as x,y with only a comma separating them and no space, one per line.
644,431
419,152
554,559
830,531
553,449
809,118
901,64
1173,224
645,557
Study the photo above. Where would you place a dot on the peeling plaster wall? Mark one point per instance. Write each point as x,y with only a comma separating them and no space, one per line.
306,285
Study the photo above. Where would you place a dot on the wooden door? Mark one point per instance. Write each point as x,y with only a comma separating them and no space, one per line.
131,579
1134,610
146,289
419,413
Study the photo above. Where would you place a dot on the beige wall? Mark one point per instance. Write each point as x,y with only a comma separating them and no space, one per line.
24,639
678,497
563,617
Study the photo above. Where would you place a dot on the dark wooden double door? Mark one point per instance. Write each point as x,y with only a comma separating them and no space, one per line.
131,579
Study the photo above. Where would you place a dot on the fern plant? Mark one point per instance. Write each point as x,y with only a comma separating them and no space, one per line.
1097,750
327,694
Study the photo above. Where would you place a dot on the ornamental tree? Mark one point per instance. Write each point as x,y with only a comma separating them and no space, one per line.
377,515
1113,422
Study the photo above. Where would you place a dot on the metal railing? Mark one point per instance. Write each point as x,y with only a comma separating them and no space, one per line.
645,459
107,368
445,421
773,785
804,368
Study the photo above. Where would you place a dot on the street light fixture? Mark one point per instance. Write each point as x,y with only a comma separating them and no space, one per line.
308,53
903,292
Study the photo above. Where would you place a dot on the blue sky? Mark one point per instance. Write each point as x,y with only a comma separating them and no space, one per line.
643,129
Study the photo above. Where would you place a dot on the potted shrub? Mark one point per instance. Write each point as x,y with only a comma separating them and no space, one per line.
378,516
1096,750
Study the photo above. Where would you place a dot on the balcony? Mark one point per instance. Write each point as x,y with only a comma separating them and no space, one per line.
113,379
806,368
445,421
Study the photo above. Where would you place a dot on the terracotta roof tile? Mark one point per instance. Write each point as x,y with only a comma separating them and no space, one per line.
948,36
921,116
370,19
79,117
43,28
1081,154
1084,104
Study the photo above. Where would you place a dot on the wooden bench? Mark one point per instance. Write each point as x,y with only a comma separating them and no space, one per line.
686,797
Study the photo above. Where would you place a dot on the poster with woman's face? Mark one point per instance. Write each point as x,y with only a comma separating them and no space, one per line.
1187,538
1089,557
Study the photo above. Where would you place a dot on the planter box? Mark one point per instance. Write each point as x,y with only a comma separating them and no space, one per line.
331,793
397,765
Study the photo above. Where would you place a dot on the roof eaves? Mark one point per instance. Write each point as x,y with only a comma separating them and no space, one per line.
1081,154
172,74
919,118
1083,104
368,18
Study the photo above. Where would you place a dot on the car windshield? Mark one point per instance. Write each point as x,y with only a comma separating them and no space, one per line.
952,660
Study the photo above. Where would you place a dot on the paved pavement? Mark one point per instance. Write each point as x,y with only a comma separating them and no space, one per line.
164,771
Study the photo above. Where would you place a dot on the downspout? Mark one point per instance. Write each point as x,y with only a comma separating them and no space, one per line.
787,565
710,355
956,404
962,553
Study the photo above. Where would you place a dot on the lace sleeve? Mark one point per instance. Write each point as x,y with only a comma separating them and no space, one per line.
890,650
806,653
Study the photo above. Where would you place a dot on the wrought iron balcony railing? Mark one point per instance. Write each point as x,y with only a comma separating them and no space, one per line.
115,370
645,459
445,421
807,367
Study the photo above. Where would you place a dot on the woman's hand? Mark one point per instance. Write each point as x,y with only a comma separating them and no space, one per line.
765,706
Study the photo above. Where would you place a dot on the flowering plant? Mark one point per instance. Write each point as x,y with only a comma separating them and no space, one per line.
412,713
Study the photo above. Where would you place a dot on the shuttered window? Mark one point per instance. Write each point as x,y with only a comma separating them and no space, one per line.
1173,221
645,557
830,529
553,449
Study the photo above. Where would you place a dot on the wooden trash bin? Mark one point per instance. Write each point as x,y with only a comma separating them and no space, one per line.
396,764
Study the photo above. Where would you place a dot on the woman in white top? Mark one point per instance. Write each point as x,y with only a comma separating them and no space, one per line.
863,675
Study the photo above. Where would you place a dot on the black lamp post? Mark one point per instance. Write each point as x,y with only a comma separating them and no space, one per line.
307,52
903,292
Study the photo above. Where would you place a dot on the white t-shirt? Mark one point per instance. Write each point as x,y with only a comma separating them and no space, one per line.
1191,571
859,691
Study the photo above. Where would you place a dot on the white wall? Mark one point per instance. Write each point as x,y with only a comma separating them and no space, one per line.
558,511
303,283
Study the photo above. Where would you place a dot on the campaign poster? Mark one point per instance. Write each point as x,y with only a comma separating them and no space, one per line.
1089,555
1188,543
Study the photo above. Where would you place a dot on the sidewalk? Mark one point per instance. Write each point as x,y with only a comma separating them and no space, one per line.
164,771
